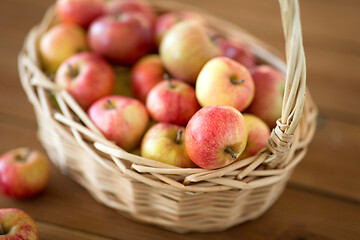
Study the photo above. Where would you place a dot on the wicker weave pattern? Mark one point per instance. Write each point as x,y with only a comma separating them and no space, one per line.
178,199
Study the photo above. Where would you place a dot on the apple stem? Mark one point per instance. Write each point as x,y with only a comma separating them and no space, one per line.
178,136
72,71
214,37
2,232
110,105
237,81
22,158
167,77
231,152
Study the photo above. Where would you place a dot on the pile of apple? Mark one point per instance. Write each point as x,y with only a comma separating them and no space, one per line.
199,98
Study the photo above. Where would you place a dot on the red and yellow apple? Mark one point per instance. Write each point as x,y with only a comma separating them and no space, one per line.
226,82
24,173
269,85
145,74
121,119
168,20
87,77
258,134
59,43
185,49
79,12
165,143
172,101
122,38
15,224
215,136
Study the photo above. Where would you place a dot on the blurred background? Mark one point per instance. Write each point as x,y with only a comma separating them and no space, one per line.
323,196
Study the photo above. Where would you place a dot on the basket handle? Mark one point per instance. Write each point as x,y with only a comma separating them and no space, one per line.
294,95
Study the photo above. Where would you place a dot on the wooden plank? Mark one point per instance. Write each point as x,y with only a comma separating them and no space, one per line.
50,232
298,213
332,163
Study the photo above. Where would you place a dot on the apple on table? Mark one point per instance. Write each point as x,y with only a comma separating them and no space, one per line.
24,173
15,224
121,119
59,43
87,77
165,143
172,101
226,82
215,136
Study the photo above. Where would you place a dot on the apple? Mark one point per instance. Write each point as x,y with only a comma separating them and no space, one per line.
172,101
79,12
87,77
122,38
215,136
59,43
185,49
165,143
168,20
236,51
146,73
132,6
258,134
121,119
269,85
16,224
226,82
24,173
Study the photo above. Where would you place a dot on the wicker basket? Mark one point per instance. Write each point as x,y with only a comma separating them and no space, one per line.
178,199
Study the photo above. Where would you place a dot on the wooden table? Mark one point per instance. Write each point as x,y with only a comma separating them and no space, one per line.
322,198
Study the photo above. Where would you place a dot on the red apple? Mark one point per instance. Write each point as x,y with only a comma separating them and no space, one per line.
165,143
87,77
146,73
15,224
168,20
269,85
258,134
24,173
215,136
172,101
59,43
185,49
123,38
80,12
132,6
236,51
121,119
226,82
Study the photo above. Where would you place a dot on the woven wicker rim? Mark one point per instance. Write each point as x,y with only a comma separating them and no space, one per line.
285,148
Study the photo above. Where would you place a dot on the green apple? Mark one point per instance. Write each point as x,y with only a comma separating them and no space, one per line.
185,49
165,143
